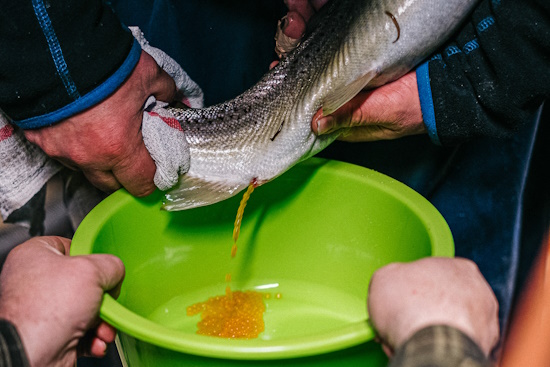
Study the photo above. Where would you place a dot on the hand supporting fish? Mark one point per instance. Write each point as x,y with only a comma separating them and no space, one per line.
388,112
350,45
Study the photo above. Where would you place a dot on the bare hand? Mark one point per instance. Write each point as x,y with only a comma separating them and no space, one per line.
388,112
53,300
105,141
299,13
404,298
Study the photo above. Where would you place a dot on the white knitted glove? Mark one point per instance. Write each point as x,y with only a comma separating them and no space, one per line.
162,134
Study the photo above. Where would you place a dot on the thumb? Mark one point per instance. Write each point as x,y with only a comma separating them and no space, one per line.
160,83
110,270
58,244
353,113
341,118
164,87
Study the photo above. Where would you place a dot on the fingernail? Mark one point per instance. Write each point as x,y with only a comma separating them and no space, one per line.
284,22
324,125
104,346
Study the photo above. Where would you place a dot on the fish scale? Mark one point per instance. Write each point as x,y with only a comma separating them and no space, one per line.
349,45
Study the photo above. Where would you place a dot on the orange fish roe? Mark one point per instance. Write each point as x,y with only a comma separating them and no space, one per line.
239,218
234,250
233,315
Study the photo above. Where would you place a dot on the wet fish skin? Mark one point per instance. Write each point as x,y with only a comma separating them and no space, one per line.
350,45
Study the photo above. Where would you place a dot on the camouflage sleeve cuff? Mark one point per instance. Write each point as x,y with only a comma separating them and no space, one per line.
439,345
12,352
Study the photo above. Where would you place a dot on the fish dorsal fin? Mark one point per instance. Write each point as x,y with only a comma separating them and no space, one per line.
338,97
192,192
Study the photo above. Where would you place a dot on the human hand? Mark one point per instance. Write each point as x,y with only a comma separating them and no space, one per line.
390,111
299,13
404,298
106,141
292,26
53,300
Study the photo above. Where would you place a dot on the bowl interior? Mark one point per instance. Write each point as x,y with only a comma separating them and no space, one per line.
314,236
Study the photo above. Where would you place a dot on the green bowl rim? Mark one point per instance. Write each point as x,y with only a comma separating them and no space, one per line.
255,349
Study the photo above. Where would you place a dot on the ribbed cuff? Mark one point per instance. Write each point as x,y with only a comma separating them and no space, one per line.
12,352
90,99
439,345
426,101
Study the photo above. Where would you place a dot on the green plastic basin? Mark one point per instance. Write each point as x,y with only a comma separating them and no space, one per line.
314,235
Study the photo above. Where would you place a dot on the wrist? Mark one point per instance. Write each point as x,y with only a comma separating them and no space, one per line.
9,337
31,334
440,345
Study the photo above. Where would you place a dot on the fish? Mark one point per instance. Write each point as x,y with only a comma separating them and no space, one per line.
348,46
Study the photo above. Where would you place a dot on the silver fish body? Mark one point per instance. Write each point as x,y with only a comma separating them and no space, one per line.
350,45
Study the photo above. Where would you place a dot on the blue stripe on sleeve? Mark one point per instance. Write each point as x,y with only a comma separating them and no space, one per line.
485,24
426,101
55,48
90,99
470,46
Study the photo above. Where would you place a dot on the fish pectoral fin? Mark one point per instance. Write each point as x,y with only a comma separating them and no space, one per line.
338,97
192,192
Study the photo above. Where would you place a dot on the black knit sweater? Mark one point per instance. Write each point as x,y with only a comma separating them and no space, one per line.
488,80
59,58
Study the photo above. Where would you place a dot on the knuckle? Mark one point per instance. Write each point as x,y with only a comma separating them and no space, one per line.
146,191
86,267
359,118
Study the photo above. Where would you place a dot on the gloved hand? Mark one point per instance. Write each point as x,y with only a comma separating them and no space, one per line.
27,167
162,134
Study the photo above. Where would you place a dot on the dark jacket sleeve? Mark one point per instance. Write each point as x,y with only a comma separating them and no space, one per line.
12,353
492,75
60,57
441,346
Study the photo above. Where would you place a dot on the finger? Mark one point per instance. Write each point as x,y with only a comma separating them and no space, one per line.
136,172
97,348
159,83
67,163
110,270
32,136
164,87
388,350
293,25
318,123
105,332
273,64
59,244
84,346
366,134
341,118
284,43
355,112
302,7
317,4
91,346
105,181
